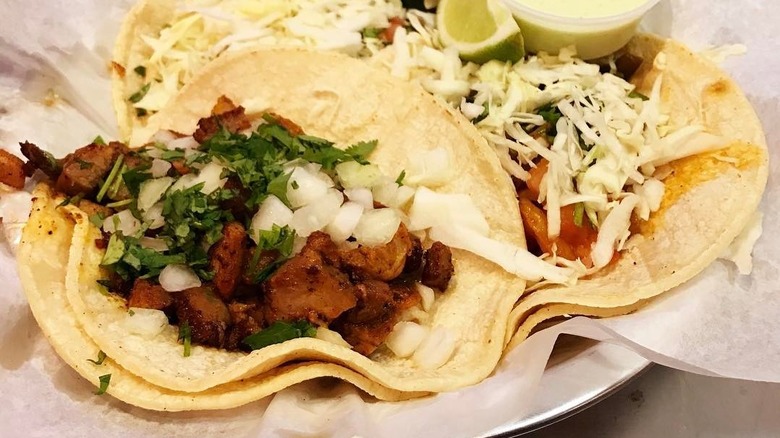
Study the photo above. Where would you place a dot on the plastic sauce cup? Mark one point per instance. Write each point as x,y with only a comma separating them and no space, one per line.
593,37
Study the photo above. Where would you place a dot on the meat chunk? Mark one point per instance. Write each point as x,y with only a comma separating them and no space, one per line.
84,170
414,257
309,286
574,242
255,267
247,320
227,259
37,158
92,208
384,262
293,128
224,114
437,270
11,170
381,306
207,316
148,295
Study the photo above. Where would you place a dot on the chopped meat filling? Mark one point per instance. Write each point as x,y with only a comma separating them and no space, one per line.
148,295
84,170
225,114
227,259
40,159
247,319
308,286
384,262
207,316
11,170
437,270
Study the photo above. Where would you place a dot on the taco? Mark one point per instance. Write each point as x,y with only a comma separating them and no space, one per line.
709,198
155,232
43,255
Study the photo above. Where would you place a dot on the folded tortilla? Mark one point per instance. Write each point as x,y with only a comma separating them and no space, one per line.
342,99
709,198
44,254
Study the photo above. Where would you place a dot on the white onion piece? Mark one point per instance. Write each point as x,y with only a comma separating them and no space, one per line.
184,182
272,212
163,136
386,193
430,209
183,143
377,227
427,294
210,176
513,259
175,278
158,245
305,187
435,350
315,215
328,335
298,244
145,322
160,168
343,225
432,169
151,191
612,230
405,338
124,221
471,110
362,196
403,196
154,216
353,174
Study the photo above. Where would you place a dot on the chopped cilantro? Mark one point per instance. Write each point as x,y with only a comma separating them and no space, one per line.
295,185
130,312
400,179
97,219
114,250
140,71
277,238
140,112
579,210
111,176
371,32
278,187
134,177
550,113
105,379
169,155
279,332
185,335
637,95
100,358
99,140
138,95
74,200
121,203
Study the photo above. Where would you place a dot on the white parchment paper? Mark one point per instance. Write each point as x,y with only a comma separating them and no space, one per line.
718,324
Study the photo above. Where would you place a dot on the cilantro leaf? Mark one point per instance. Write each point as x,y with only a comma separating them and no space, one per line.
134,177
360,151
637,95
100,358
400,179
278,187
105,379
579,210
279,332
185,335
138,95
140,71
550,113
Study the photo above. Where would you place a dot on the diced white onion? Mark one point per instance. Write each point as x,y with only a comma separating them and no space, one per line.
377,227
653,192
152,190
427,294
353,174
210,176
328,335
163,136
124,221
430,209
158,245
154,216
272,212
318,213
386,193
145,322
362,196
435,350
432,168
405,338
304,187
160,168
183,143
343,225
471,110
175,278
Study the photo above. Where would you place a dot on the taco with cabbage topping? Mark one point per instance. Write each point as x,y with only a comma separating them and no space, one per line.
294,220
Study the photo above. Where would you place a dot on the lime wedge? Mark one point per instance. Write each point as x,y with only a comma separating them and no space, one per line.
481,30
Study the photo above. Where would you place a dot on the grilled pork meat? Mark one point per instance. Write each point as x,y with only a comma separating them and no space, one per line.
148,295
207,316
227,259
11,170
84,170
384,262
437,269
